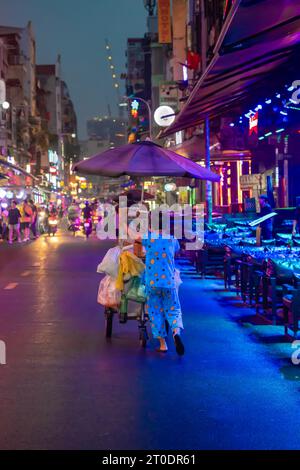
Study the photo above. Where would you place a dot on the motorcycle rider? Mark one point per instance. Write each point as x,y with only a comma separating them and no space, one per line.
87,211
73,211
52,210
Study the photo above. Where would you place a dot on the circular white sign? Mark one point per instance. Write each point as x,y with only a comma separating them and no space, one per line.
164,116
5,105
170,187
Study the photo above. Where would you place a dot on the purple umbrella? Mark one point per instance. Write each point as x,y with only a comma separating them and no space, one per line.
143,159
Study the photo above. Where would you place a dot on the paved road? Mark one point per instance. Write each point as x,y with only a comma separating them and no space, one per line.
65,387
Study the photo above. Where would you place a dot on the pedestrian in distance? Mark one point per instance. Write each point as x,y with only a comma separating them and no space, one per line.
34,218
4,222
26,217
1,223
14,217
267,225
296,221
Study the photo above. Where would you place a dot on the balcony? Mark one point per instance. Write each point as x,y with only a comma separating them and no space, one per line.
16,60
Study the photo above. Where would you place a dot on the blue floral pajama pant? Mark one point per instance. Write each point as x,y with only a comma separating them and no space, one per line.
163,305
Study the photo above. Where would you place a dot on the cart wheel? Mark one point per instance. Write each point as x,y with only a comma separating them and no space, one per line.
143,338
109,315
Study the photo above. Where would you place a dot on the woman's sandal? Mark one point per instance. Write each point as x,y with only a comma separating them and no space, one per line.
178,345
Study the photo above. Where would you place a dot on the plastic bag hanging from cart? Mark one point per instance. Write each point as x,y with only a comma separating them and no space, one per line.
110,263
137,291
108,295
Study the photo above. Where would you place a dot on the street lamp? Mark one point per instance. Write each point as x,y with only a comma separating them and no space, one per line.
128,98
66,134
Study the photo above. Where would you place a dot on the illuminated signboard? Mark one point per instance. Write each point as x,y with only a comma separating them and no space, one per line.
253,124
164,22
53,157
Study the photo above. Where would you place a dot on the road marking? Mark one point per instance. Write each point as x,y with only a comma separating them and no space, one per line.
11,285
25,273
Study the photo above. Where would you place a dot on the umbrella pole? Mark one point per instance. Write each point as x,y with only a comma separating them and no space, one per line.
143,191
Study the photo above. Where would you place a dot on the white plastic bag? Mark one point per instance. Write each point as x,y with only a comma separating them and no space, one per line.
110,263
108,295
177,278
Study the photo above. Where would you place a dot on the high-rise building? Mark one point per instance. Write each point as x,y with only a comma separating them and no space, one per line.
49,80
108,131
20,86
138,83
59,120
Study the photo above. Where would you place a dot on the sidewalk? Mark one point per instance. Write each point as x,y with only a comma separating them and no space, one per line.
242,374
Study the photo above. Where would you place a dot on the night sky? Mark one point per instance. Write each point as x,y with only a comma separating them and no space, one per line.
77,30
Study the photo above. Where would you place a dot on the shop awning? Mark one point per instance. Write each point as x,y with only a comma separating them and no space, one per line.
17,168
259,38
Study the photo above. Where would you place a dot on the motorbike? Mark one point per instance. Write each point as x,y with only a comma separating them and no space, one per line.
75,225
87,227
52,225
42,222
95,219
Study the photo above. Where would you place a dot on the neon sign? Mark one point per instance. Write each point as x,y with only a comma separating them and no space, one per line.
253,124
296,94
134,108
